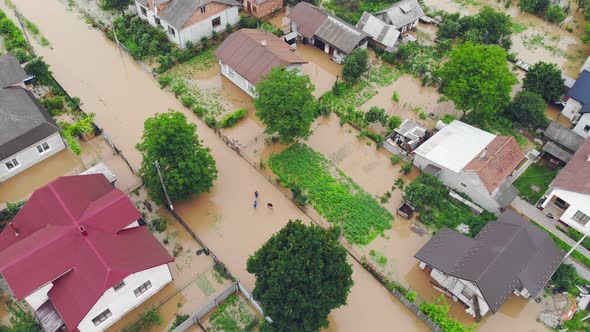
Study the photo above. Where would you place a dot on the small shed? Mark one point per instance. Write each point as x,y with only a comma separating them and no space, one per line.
101,168
409,135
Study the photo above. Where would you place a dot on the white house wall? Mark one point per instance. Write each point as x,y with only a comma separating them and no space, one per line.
204,28
37,298
577,201
582,125
466,182
30,156
571,108
122,301
242,82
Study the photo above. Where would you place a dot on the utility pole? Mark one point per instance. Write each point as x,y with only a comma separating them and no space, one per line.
22,26
575,246
163,185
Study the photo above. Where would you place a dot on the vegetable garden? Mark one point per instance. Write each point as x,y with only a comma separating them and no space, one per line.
334,195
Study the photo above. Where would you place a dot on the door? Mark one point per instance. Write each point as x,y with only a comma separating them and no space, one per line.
249,7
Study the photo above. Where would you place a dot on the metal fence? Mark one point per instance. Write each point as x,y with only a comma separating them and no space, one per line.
196,317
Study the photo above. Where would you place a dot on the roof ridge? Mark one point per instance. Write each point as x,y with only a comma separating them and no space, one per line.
488,160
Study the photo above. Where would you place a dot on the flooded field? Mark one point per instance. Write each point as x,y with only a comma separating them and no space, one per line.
539,41
66,162
123,95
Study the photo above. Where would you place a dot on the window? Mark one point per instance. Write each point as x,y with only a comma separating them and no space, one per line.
464,185
216,22
143,11
254,9
143,288
171,31
230,72
203,9
251,87
12,164
157,20
43,147
581,218
468,292
119,286
102,317
586,128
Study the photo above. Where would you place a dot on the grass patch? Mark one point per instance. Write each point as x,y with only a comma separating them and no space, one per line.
203,61
518,27
334,195
539,175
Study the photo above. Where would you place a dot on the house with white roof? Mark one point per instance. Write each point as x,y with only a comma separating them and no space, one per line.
568,198
403,15
472,161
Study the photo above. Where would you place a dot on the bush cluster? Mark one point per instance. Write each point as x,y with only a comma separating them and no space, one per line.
230,119
14,41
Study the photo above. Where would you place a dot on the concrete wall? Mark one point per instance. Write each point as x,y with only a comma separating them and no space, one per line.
122,301
197,30
30,156
465,182
571,109
582,125
263,9
577,201
242,82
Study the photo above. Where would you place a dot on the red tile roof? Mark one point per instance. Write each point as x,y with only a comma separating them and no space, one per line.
501,157
51,247
575,176
243,52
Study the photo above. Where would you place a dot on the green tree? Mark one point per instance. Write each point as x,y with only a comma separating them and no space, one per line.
534,6
544,79
376,114
355,65
478,80
20,320
564,278
528,109
302,274
12,209
117,5
555,14
285,104
186,166
38,68
493,27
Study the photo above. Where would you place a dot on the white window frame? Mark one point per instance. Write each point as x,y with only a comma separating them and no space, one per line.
203,9
119,285
230,72
43,147
171,31
142,289
251,87
102,317
581,218
14,162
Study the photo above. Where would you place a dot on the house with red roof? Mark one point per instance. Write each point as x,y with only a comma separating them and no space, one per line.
568,198
472,161
80,255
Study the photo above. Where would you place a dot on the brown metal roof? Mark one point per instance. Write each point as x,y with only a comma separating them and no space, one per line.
575,176
497,162
243,52
308,17
506,254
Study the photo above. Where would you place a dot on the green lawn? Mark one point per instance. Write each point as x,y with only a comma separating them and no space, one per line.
538,174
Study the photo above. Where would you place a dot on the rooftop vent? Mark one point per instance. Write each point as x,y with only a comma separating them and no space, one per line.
16,233
482,155
83,230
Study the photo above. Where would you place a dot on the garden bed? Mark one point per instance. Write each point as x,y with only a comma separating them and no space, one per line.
234,314
334,195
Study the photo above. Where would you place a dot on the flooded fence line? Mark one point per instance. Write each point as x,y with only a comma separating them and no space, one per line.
236,287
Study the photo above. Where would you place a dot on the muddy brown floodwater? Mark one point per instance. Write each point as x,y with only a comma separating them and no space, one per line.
122,96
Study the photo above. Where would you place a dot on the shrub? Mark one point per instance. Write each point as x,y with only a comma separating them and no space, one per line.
211,122
158,224
165,61
178,319
53,104
447,118
164,81
422,116
555,14
204,42
375,114
188,100
74,103
395,97
406,168
394,122
298,195
249,22
230,119
395,159
140,38
179,88
214,35
355,65
199,111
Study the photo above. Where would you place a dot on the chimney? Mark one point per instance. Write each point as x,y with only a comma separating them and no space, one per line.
263,42
483,153
16,233
83,230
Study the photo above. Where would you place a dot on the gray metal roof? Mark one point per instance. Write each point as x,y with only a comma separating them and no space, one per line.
23,121
379,31
564,136
557,151
506,254
11,72
581,89
340,34
401,13
179,11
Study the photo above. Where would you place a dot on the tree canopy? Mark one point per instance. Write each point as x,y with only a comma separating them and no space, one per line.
301,275
528,109
186,166
478,80
534,6
355,64
544,79
285,104
487,27
117,5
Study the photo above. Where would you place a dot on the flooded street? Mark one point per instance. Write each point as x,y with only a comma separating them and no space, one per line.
539,41
122,96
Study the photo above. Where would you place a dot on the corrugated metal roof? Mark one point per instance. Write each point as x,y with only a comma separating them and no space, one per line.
308,17
557,151
243,52
23,121
380,31
11,72
506,254
402,13
564,136
179,11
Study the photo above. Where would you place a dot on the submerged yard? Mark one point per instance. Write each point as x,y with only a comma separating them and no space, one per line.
334,195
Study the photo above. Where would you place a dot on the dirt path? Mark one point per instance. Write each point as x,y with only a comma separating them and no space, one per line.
122,95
